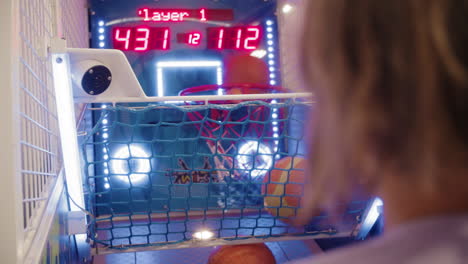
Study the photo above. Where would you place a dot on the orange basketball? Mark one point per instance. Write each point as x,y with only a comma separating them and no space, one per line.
284,186
242,254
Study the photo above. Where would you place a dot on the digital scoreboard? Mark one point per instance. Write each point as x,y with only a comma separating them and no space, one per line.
159,38
177,44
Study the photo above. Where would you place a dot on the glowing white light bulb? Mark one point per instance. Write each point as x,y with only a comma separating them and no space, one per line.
131,160
203,235
255,157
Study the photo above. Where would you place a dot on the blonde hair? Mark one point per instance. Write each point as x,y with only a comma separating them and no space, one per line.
391,88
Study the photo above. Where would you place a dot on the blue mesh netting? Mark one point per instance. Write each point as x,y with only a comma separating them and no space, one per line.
158,174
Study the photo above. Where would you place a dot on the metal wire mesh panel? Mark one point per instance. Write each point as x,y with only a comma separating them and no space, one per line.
40,146
167,174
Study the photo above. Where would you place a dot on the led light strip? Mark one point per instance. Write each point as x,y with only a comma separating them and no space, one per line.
105,137
101,36
271,51
273,81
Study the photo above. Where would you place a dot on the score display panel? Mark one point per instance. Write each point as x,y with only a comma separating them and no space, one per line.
159,38
176,44
144,38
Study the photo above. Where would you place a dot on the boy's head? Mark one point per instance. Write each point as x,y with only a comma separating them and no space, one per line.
391,85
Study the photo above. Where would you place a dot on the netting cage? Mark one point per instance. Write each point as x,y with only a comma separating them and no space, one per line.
175,174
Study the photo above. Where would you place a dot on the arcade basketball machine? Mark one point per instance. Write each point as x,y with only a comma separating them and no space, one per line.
187,134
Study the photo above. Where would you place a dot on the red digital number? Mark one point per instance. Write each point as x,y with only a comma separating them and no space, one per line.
144,39
251,43
238,38
203,14
166,39
235,38
221,38
194,39
126,39
141,39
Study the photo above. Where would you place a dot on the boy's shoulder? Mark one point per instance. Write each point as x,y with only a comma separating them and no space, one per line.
435,241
